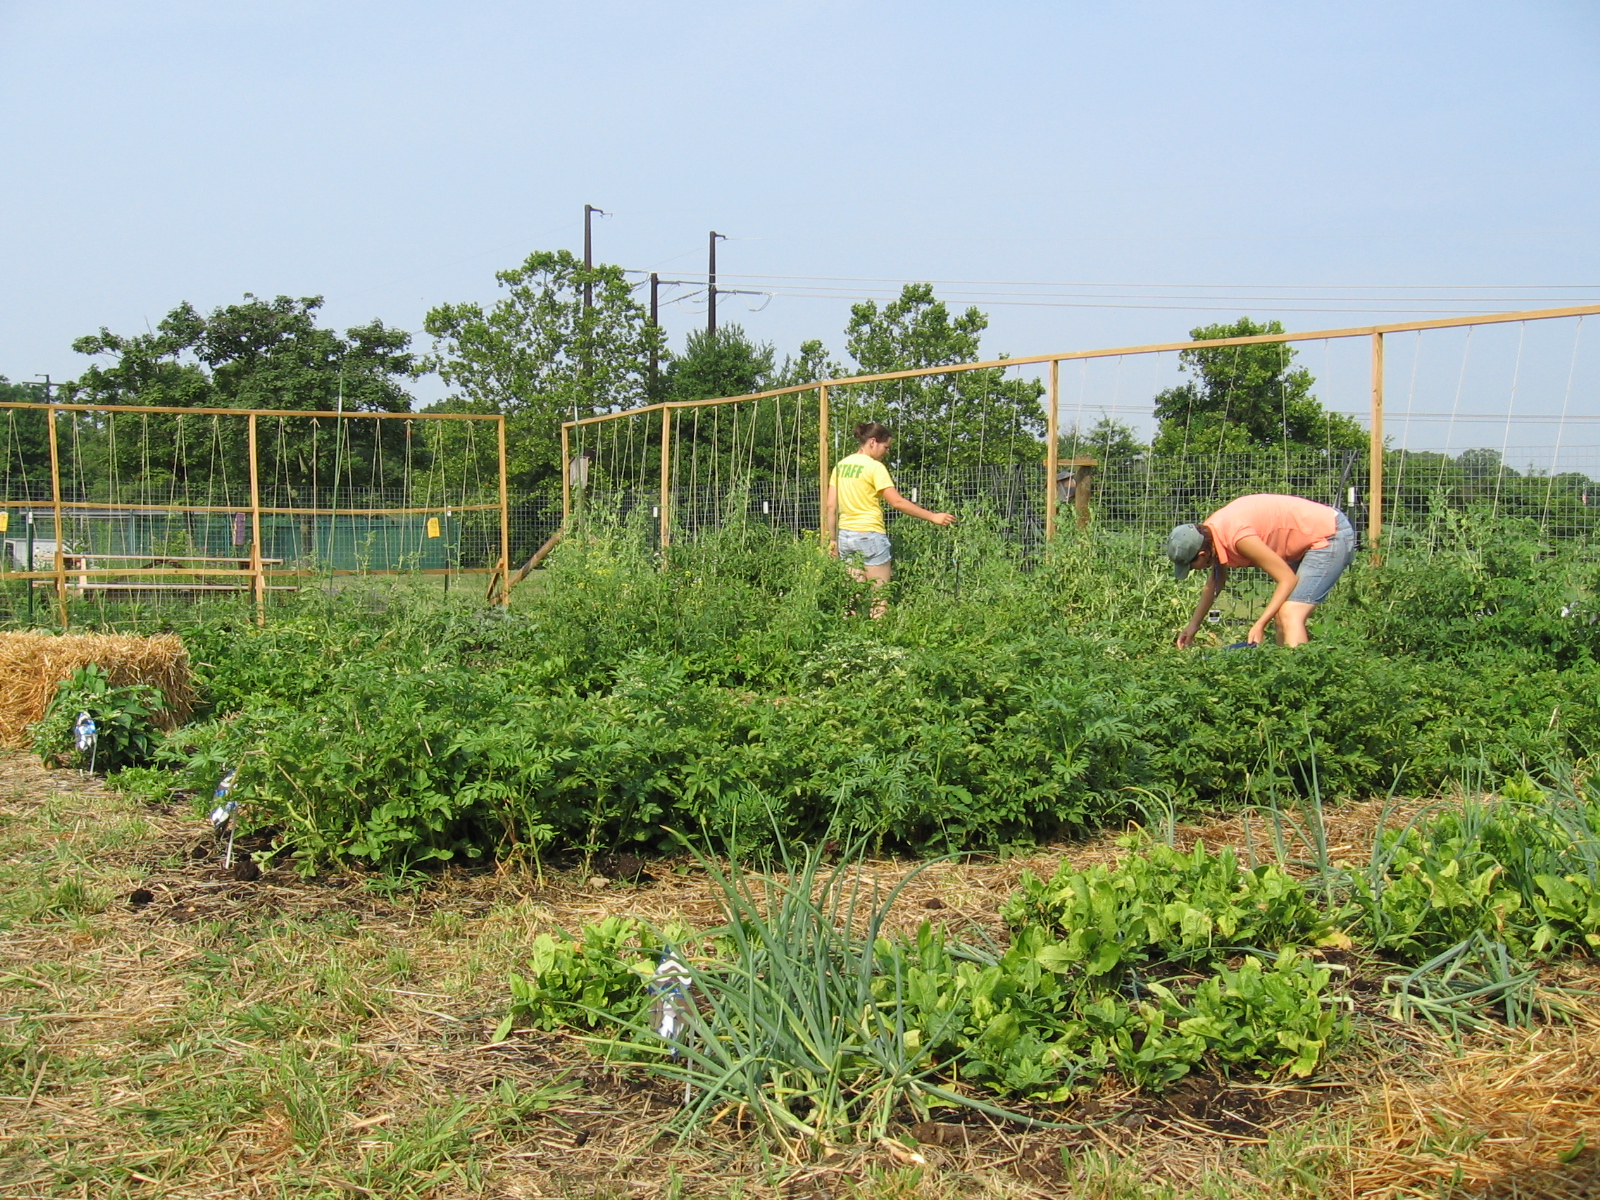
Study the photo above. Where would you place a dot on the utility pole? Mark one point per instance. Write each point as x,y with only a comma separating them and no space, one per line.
711,285
588,251
655,323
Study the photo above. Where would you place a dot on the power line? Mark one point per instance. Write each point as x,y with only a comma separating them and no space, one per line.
1329,287
1351,307
828,291
1219,298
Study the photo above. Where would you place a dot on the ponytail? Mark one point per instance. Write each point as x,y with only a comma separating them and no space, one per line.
871,431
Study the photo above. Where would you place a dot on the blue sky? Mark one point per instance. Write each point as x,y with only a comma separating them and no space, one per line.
1191,162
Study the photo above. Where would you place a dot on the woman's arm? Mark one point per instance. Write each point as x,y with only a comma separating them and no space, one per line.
897,501
1264,556
1215,582
830,519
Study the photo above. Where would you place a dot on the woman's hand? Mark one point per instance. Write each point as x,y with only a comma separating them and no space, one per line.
1258,633
895,500
1186,636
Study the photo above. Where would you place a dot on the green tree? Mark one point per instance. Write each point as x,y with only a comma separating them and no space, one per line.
1246,398
539,356
262,354
720,362
813,363
1108,441
944,422
256,354
912,331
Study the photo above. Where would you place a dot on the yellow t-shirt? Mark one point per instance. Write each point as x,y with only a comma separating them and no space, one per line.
858,480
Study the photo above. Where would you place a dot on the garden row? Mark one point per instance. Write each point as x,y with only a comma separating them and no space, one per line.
732,698
805,1012
992,705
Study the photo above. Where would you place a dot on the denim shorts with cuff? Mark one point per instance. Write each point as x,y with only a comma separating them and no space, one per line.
873,547
1320,569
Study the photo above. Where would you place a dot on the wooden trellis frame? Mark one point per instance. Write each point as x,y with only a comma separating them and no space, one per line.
258,571
1052,436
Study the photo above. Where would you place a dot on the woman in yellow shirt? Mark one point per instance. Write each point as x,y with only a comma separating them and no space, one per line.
852,513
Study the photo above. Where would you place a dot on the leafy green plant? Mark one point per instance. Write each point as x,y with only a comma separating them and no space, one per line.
999,702
1522,869
1268,1017
823,1027
125,719
597,977
1164,904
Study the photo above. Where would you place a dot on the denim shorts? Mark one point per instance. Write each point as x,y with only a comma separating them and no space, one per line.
873,547
1320,569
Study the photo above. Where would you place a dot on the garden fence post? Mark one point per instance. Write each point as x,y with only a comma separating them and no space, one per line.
1082,487
666,476
566,474
258,581
1375,453
822,464
1052,451
505,516
55,499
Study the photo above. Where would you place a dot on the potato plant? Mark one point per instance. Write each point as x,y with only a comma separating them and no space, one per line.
623,696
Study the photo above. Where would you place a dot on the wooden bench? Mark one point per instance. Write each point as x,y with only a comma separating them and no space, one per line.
80,563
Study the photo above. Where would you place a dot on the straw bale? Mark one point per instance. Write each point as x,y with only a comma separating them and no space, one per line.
33,663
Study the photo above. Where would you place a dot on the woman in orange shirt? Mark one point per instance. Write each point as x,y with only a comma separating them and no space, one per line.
1303,545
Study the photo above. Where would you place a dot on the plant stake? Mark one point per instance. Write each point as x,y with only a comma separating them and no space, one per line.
222,815
88,737
670,1008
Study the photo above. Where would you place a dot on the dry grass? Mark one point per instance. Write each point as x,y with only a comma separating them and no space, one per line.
1521,1118
332,1038
33,663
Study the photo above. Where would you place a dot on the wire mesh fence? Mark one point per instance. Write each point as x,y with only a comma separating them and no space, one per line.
1142,497
151,507
1149,494
110,514
1485,415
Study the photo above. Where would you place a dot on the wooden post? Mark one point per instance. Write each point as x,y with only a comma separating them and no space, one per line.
1052,452
823,468
566,476
1375,452
666,478
55,498
1082,483
258,579
539,555
505,519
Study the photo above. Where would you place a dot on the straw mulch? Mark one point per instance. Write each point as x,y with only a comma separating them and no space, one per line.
1519,1119
33,663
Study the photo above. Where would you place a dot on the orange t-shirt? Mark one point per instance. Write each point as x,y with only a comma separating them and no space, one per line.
1289,524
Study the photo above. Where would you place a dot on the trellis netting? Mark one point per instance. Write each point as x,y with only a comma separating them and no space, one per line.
1492,416
106,507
